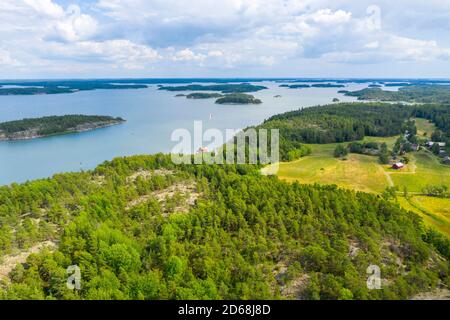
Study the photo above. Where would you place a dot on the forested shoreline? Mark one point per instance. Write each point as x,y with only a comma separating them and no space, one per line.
415,93
345,122
142,227
247,236
31,128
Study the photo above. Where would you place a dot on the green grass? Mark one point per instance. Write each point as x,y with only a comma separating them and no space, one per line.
359,172
423,170
365,173
424,126
434,211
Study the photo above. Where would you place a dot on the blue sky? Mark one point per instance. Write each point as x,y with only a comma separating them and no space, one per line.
229,38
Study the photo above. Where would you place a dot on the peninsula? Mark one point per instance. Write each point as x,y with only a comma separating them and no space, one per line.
224,88
203,95
53,125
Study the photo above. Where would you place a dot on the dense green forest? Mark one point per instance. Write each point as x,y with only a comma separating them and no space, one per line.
238,98
51,87
316,85
246,236
327,85
53,124
440,116
295,86
408,93
142,227
351,121
33,90
203,95
224,88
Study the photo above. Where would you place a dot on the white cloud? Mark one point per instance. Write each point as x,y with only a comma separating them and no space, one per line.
208,35
46,7
73,26
116,53
402,48
7,60
328,17
187,55
372,45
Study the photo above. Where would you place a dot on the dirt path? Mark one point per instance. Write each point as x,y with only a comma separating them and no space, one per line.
438,294
388,177
9,262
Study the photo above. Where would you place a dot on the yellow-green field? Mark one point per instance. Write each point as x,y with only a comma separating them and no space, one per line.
358,172
423,169
424,126
434,211
364,173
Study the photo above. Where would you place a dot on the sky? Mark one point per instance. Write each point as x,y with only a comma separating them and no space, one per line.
228,38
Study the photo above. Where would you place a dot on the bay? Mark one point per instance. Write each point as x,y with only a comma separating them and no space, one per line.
152,115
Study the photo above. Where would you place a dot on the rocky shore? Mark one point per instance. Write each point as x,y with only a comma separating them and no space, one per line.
33,133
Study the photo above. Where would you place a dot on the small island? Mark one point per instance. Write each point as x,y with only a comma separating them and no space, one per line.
238,98
327,85
53,125
398,84
203,95
295,86
65,86
224,88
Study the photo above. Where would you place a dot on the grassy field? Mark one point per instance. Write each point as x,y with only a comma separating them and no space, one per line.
423,169
424,127
434,211
358,172
364,173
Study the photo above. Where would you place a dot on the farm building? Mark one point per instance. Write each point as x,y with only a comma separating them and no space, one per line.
429,144
398,165
202,150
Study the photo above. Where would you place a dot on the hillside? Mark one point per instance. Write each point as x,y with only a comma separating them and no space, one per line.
431,93
364,172
343,122
143,228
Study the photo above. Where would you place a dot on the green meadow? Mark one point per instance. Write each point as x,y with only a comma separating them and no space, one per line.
365,173
359,172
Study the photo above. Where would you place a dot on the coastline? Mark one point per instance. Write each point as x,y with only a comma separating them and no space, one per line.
32,133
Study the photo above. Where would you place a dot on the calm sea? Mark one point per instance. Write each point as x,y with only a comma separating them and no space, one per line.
152,115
